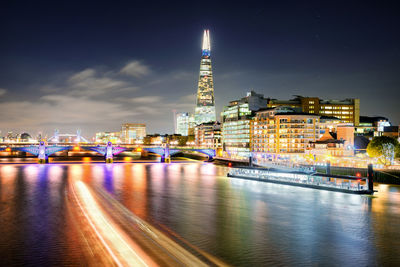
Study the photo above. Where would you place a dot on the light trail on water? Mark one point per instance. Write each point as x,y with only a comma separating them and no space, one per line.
114,241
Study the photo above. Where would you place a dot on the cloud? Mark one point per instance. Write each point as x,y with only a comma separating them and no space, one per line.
151,105
141,99
52,111
91,83
188,99
83,75
2,91
100,99
136,69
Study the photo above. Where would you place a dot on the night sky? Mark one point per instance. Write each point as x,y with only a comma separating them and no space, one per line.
97,65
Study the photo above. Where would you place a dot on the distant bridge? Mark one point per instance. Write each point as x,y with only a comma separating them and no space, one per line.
167,152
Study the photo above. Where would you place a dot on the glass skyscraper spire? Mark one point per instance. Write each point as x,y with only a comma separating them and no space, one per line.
205,106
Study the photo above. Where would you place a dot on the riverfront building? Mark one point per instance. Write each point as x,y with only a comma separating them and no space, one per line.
371,126
347,110
279,131
236,119
192,124
391,131
328,124
132,132
208,135
205,105
105,137
182,123
333,144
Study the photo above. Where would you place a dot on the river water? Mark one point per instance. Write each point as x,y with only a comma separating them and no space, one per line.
217,219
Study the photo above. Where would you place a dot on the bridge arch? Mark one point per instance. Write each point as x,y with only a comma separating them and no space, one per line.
166,152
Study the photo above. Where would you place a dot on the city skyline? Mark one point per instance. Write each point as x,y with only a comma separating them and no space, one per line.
95,78
214,133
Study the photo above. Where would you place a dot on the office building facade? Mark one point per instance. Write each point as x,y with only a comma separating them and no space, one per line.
348,110
105,137
208,135
182,123
236,120
283,130
132,132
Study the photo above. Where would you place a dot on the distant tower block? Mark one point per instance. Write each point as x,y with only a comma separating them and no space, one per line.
205,105
78,135
56,136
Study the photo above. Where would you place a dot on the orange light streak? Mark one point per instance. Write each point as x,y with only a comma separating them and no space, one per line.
86,159
119,249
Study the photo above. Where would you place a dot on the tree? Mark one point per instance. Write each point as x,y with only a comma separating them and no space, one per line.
397,152
383,148
182,140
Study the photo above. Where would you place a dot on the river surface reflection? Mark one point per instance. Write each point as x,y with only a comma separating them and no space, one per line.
240,222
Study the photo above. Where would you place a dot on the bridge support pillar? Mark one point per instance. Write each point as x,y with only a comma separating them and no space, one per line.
144,154
370,178
109,160
165,159
328,169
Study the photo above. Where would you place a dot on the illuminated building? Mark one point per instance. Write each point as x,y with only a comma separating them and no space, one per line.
370,126
105,137
153,139
328,146
236,118
277,132
208,135
205,106
347,110
334,144
192,124
25,137
345,132
328,124
132,132
391,131
17,138
182,123
172,140
67,138
10,137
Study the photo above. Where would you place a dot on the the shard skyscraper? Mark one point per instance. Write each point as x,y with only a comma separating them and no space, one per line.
205,105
